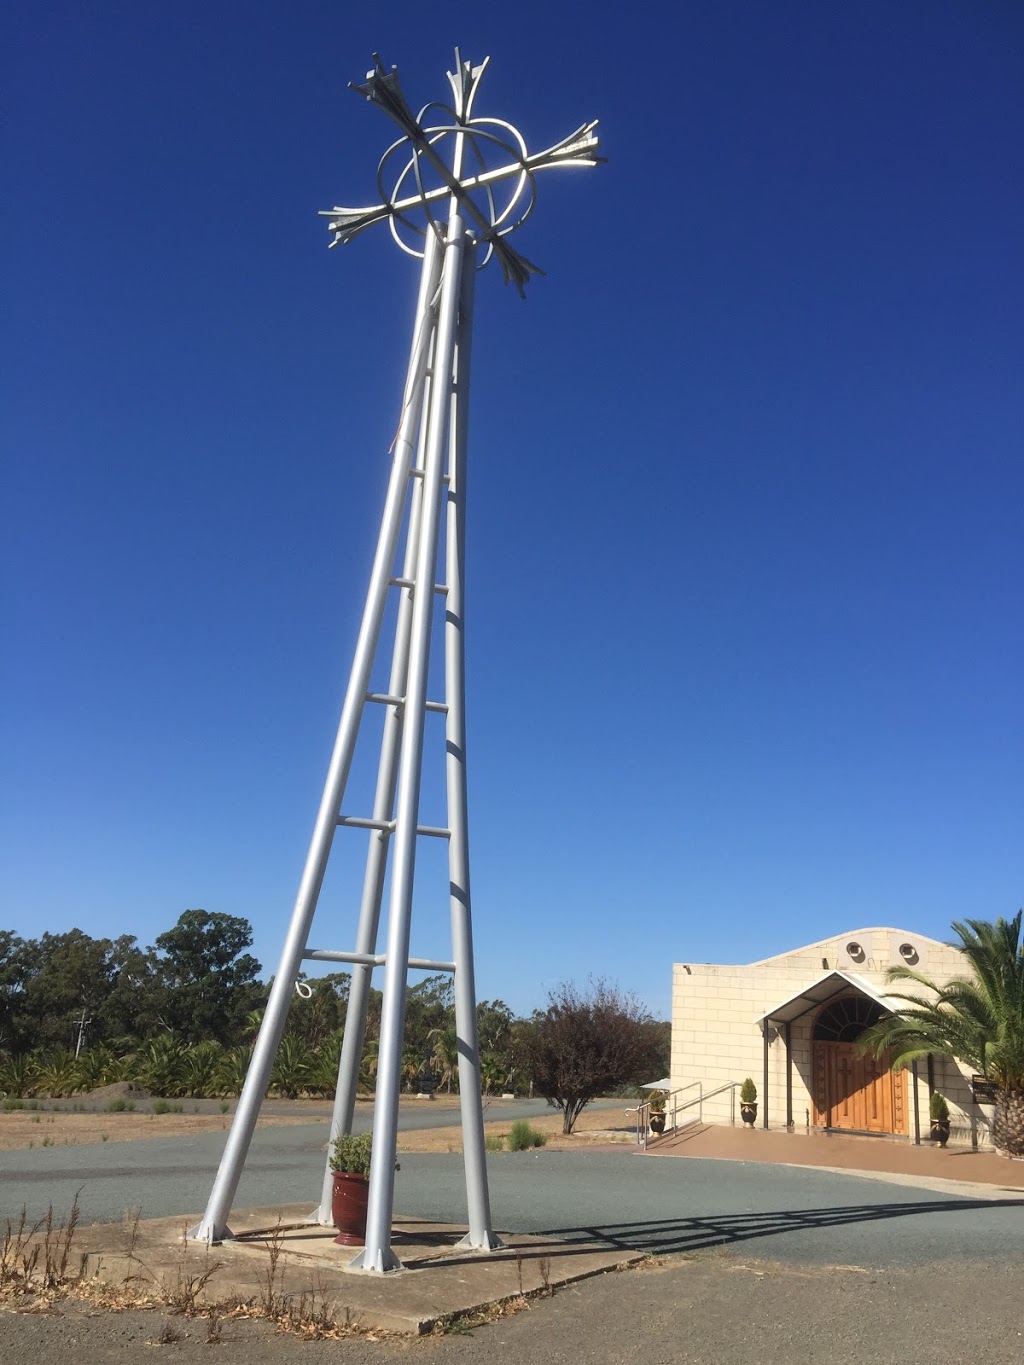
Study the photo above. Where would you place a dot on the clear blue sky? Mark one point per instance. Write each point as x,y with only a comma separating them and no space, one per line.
746,549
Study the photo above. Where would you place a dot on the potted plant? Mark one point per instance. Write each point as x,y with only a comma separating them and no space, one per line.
938,1111
748,1103
350,1162
656,1111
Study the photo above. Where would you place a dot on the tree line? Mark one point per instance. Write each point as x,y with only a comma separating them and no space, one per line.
180,1018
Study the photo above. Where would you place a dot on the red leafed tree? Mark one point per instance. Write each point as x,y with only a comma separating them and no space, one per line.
588,1044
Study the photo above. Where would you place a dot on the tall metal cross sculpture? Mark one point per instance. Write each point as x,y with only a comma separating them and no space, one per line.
429,466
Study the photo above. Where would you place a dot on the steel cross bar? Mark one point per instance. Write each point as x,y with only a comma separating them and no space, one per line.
578,149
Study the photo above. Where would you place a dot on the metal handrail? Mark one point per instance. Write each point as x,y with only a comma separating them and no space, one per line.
672,1099
731,1086
643,1117
643,1108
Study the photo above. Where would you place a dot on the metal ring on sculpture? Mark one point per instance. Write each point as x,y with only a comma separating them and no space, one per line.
525,184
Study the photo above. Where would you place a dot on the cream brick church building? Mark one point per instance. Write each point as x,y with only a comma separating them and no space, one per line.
791,1023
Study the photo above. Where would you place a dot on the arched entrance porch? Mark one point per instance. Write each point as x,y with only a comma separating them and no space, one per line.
852,1091
846,1091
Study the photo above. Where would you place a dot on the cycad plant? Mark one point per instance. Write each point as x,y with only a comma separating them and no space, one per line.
977,1019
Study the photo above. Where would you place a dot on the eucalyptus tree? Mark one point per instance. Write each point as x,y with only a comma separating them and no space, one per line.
977,1019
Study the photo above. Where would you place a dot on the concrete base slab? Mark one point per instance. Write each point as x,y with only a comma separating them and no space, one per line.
277,1258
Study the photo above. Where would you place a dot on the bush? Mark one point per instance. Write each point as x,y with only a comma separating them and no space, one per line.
522,1136
748,1092
166,1107
120,1106
350,1152
494,1142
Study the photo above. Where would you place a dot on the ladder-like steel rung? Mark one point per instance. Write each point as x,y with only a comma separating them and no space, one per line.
387,699
440,588
388,826
421,474
419,964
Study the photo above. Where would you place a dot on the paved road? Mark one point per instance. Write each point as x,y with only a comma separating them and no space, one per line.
797,1216
698,1312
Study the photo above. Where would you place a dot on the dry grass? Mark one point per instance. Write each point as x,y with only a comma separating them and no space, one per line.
21,1128
594,1127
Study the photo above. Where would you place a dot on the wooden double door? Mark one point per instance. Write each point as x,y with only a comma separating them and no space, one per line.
857,1092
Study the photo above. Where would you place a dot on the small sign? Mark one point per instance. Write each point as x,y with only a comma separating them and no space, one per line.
984,1091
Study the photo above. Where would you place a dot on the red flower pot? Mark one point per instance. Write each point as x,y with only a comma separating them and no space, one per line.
348,1208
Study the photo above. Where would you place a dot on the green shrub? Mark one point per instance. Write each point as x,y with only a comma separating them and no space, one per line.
494,1142
351,1152
748,1092
522,1136
12,1102
120,1106
166,1107
938,1109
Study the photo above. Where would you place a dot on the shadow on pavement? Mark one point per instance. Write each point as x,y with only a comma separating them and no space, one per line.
696,1234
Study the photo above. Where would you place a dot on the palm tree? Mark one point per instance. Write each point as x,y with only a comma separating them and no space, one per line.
368,1065
57,1072
977,1019
158,1066
200,1065
291,1068
444,1054
232,1070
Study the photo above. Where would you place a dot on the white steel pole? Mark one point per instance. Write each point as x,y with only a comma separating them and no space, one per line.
213,1225
383,809
377,1254
480,1232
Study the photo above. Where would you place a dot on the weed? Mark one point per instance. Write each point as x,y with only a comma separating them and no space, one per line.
494,1142
104,1137
169,1334
36,1118
36,1256
270,1302
213,1328
120,1106
47,1141
224,1106
166,1107
544,1267
11,1102
189,1283
523,1135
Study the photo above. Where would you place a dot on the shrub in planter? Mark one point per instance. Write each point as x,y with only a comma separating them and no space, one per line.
748,1102
938,1111
350,1161
656,1109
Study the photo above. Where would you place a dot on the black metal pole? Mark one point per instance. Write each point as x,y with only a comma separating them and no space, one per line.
917,1107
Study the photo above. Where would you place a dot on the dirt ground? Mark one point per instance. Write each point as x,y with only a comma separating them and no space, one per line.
59,1125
